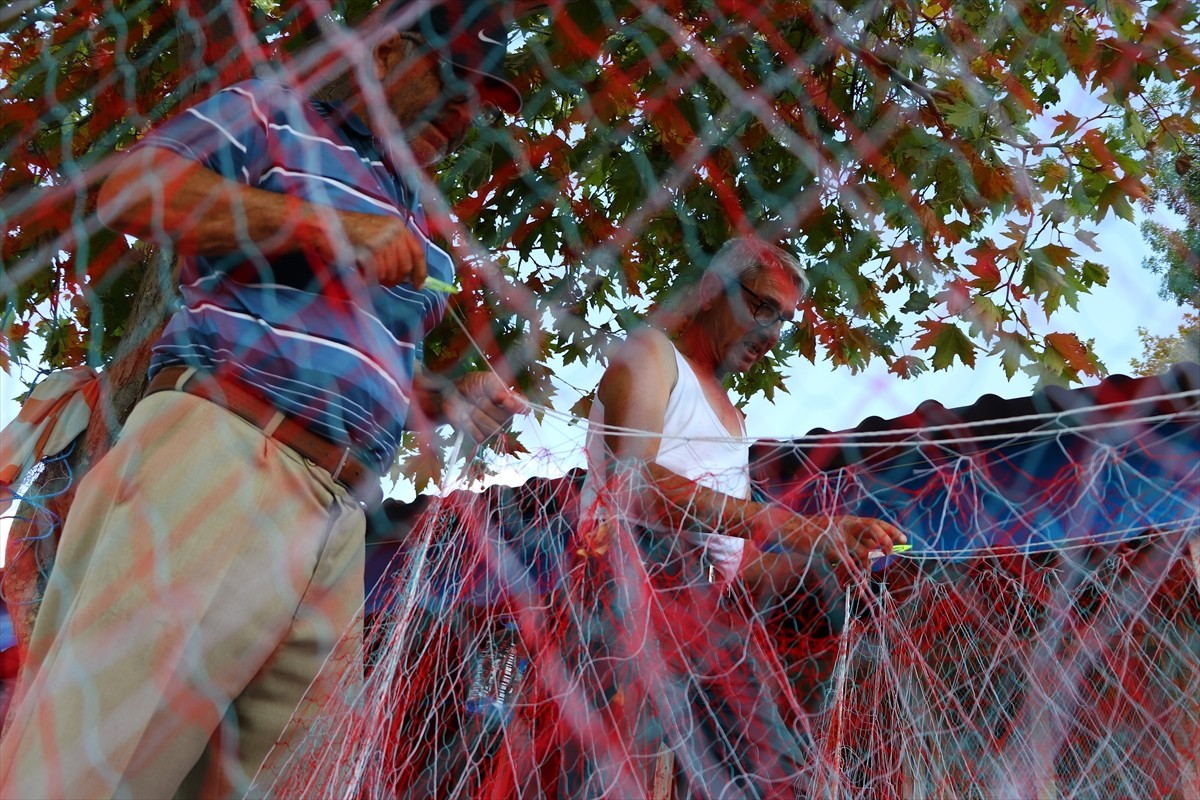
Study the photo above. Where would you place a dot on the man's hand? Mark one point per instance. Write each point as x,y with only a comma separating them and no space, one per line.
384,248
154,194
845,542
480,405
856,537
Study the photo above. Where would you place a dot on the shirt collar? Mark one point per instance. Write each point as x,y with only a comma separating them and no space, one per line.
356,124
343,117
350,122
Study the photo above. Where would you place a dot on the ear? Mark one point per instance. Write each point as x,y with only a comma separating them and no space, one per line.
389,54
711,287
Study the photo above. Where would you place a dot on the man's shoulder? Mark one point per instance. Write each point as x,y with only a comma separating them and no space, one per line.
646,356
640,371
267,95
645,345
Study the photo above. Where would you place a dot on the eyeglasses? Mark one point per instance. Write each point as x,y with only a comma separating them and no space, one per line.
765,314
456,89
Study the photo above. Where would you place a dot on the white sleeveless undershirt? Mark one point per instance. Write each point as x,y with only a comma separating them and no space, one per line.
697,446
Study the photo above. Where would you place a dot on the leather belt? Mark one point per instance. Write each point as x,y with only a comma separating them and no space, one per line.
234,396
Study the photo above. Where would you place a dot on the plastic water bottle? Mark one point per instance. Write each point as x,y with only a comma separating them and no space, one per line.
497,673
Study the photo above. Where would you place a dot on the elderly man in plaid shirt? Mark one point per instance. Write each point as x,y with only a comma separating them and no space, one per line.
212,561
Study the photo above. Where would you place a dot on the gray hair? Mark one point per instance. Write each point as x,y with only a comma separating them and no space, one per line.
344,81
746,257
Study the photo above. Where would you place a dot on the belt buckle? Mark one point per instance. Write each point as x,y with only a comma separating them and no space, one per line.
182,381
337,471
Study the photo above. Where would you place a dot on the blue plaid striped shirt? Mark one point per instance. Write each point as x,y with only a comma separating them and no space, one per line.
324,344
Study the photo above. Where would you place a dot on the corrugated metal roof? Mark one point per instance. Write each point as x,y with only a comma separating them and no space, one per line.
1123,405
987,421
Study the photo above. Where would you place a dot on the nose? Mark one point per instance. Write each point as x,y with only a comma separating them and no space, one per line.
456,116
771,334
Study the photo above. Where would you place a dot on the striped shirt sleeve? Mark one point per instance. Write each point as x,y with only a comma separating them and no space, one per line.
225,133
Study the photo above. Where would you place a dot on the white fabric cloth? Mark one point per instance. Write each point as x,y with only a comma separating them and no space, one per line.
697,446
57,411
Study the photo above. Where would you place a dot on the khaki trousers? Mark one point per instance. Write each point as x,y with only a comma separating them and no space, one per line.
205,574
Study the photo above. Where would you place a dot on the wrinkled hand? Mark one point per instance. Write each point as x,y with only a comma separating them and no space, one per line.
385,248
845,542
856,537
480,405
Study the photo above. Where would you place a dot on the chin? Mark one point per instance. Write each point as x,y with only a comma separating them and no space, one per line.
428,147
426,155
739,363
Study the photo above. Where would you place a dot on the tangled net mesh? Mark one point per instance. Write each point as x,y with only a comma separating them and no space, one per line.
1041,640
1059,659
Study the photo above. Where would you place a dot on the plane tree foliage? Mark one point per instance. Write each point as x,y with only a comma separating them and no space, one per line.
1160,353
940,168
1173,235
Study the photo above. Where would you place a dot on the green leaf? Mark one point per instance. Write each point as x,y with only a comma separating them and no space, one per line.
1051,174
626,185
1094,274
1012,348
918,302
986,316
1133,123
1113,197
967,117
1056,254
1053,365
947,342
1051,276
1049,95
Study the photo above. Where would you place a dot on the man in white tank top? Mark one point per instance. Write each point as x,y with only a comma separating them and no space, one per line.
668,453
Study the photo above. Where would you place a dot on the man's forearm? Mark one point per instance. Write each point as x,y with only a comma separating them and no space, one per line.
155,194
660,497
429,395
